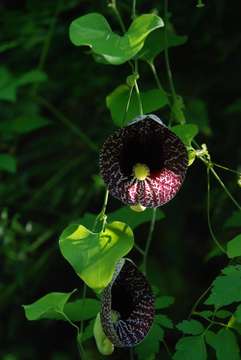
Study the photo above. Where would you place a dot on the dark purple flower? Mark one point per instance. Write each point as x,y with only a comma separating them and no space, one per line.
127,309
143,163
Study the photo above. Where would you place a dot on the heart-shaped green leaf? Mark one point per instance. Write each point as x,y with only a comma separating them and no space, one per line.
94,255
93,30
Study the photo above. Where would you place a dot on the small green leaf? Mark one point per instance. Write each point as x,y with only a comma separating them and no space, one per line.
116,102
234,220
8,163
226,345
226,288
234,247
82,309
50,306
206,313
191,348
150,345
192,327
177,110
186,133
155,43
163,302
223,314
210,338
164,321
94,31
94,255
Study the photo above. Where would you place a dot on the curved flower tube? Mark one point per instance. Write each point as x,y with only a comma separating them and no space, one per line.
127,310
144,163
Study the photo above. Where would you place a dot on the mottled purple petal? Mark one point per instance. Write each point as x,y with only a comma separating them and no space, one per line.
129,295
146,141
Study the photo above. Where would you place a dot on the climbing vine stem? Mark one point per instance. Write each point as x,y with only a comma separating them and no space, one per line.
149,238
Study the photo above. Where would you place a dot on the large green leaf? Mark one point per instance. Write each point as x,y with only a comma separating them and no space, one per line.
155,43
151,344
192,327
82,309
93,30
226,288
226,345
94,255
186,132
50,306
8,163
116,102
191,348
234,247
237,314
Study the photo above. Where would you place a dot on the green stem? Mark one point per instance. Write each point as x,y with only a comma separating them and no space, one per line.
167,349
227,169
118,15
68,123
127,105
166,55
197,302
133,9
102,217
138,91
137,247
225,188
156,77
149,238
208,213
46,44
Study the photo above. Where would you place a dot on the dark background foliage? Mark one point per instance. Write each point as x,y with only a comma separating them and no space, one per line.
57,179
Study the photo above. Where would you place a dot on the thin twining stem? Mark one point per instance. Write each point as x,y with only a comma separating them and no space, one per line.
225,188
149,238
208,213
227,169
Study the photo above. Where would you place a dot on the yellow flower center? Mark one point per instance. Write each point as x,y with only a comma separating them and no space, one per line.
138,208
141,171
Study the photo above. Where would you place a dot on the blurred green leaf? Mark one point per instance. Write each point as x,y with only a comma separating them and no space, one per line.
226,288
93,30
234,220
155,43
8,163
192,327
163,302
82,309
116,102
234,247
50,306
197,113
9,83
88,331
186,133
191,348
94,255
23,124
